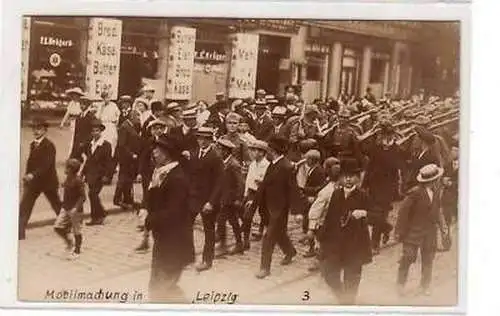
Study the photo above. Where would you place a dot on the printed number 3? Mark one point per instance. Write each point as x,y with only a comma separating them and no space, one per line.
306,296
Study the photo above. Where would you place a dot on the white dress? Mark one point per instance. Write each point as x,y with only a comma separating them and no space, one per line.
109,115
73,111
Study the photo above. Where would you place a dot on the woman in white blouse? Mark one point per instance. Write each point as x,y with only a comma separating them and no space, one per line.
141,105
109,113
73,110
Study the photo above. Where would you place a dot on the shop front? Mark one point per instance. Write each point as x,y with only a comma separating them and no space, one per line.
317,68
54,61
350,73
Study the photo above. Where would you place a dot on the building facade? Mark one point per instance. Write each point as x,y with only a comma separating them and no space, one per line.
193,59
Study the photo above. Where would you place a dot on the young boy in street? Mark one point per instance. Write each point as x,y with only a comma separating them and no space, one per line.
70,217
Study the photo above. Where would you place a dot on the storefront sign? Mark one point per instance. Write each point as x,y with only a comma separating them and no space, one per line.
54,41
282,25
317,48
181,63
103,56
25,51
243,73
55,60
209,56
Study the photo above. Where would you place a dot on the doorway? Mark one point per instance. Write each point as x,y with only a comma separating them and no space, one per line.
268,73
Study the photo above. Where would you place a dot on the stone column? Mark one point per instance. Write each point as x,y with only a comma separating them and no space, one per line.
335,70
386,84
365,70
163,45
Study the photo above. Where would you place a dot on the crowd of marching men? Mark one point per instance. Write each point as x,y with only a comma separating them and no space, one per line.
337,165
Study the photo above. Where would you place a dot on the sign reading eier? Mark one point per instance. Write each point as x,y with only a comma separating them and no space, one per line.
243,74
180,63
103,57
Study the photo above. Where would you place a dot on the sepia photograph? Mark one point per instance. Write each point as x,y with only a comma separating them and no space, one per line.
199,160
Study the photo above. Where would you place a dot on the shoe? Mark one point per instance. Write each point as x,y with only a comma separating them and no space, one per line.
288,259
144,246
237,250
385,238
95,222
309,254
262,274
73,256
203,266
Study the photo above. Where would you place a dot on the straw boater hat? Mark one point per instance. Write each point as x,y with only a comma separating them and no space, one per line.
205,132
261,92
148,88
155,123
279,111
226,143
75,90
345,113
173,106
260,105
189,114
422,120
258,144
429,173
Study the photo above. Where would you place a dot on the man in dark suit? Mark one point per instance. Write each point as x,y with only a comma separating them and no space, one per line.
40,177
186,133
128,150
344,236
264,126
217,118
97,163
276,196
230,197
418,221
83,128
206,168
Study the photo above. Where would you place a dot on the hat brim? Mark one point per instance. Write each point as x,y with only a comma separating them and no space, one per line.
434,178
101,126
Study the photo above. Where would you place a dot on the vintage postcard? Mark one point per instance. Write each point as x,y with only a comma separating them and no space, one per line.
263,161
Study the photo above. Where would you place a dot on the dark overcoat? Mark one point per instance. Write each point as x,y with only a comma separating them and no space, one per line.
169,219
349,244
42,165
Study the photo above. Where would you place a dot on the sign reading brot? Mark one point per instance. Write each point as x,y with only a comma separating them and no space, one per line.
103,56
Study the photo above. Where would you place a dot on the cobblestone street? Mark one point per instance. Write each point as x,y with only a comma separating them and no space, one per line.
108,262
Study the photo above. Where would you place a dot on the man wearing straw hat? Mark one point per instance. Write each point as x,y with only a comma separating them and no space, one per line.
417,226
83,128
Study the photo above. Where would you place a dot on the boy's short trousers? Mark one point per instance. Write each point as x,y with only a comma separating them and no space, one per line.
70,219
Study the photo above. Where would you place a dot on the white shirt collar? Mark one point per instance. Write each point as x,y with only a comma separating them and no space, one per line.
97,142
39,140
277,159
160,173
185,129
348,191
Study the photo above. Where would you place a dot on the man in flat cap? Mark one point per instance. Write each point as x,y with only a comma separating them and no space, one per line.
40,176
241,152
256,173
217,117
341,141
230,188
276,196
186,132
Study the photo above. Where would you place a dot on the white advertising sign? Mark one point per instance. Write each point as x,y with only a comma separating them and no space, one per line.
25,51
243,73
103,57
180,63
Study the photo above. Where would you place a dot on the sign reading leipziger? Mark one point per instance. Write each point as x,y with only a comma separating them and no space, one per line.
103,57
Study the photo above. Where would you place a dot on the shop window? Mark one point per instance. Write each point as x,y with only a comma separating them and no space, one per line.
313,73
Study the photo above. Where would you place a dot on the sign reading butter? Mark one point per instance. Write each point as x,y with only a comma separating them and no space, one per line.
180,63
243,72
103,57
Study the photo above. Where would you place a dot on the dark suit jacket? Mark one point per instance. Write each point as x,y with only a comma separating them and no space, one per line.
98,163
349,244
264,128
188,141
205,174
315,181
418,218
170,220
129,142
144,128
231,183
278,192
42,164
82,134
215,121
